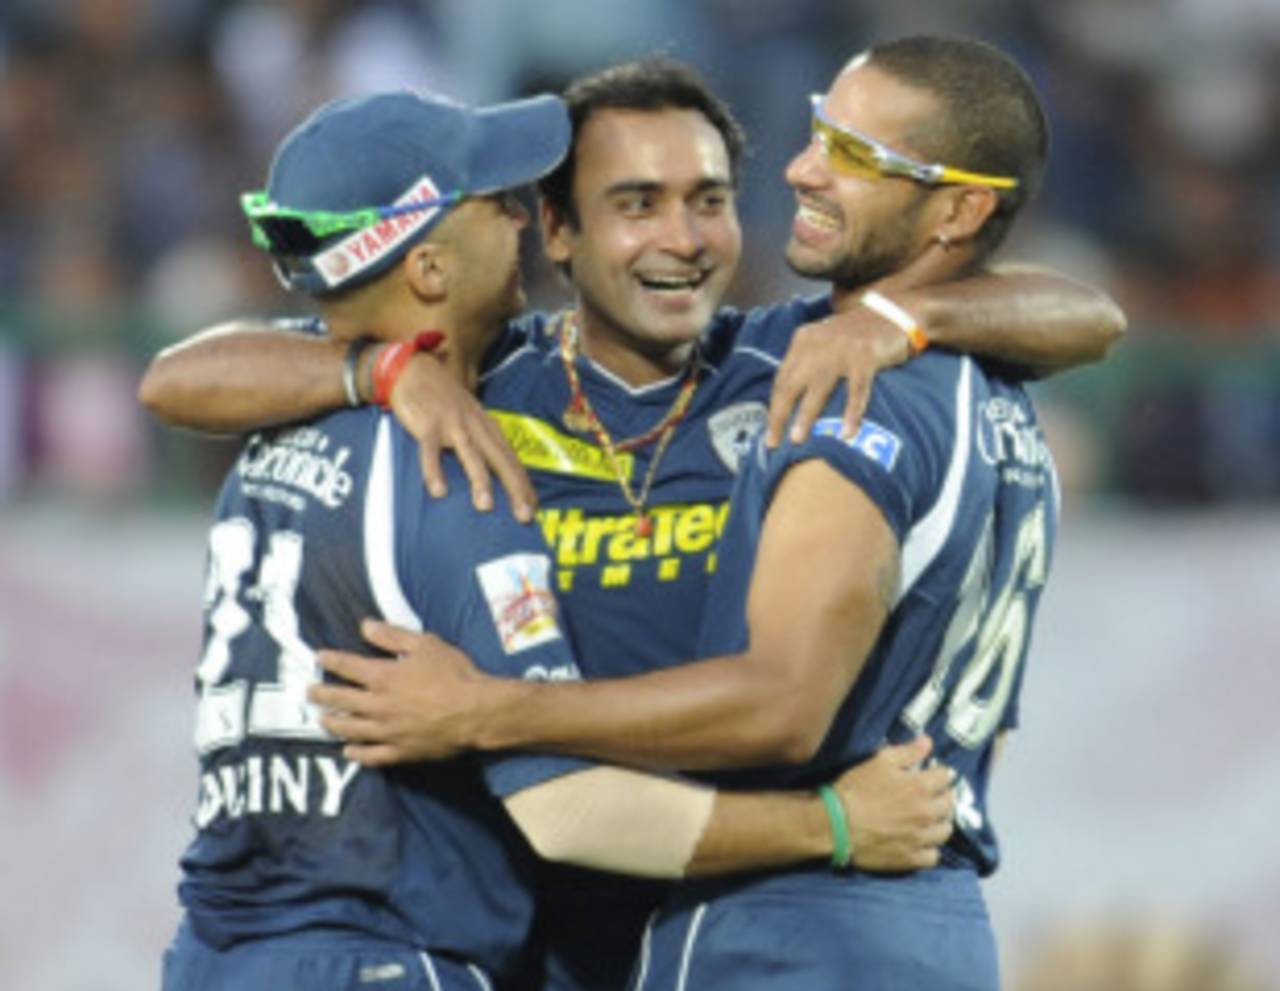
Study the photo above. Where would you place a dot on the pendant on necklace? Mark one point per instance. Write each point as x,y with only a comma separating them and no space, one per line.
576,418
643,525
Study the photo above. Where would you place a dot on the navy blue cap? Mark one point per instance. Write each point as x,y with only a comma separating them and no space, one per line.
404,147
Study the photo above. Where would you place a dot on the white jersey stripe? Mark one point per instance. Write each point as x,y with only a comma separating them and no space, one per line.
380,535
430,969
687,954
764,356
1056,486
642,974
515,355
927,537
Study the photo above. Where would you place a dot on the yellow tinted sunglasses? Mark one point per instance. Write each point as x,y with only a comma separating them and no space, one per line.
854,153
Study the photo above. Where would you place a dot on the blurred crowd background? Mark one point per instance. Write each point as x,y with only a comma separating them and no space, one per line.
129,127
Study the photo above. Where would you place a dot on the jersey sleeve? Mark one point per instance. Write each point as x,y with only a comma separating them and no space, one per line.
899,453
516,334
481,581
769,329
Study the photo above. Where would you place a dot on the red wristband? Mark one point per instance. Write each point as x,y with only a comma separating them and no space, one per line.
390,362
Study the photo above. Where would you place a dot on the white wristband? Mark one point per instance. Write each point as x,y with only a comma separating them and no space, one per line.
350,366
896,315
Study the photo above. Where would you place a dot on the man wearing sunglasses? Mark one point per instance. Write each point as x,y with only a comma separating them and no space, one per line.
306,870
632,468
869,586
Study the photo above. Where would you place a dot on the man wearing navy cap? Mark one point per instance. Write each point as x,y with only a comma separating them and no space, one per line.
307,870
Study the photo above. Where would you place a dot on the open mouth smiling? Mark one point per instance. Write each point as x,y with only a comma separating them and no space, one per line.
817,216
673,282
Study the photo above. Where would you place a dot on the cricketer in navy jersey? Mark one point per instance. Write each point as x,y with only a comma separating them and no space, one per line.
630,604
317,527
611,582
955,461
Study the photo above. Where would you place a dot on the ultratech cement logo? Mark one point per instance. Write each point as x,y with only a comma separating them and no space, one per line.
684,536
606,548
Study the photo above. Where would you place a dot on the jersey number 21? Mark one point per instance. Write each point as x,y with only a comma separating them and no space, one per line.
276,708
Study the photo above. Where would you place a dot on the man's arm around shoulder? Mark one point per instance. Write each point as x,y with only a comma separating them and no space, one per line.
244,375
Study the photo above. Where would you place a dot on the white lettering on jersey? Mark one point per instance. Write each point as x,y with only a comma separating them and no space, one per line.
1006,437
878,443
561,672
274,785
299,460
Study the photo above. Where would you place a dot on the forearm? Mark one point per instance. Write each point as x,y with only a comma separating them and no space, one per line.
613,819
726,712
240,376
757,830
1040,321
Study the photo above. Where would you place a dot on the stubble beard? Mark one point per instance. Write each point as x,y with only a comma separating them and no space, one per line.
887,250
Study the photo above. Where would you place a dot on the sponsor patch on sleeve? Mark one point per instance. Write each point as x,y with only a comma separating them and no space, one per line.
518,592
878,443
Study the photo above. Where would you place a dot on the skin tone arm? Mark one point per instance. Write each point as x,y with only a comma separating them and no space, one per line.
243,376
1021,315
810,634
1035,319
624,821
240,376
774,704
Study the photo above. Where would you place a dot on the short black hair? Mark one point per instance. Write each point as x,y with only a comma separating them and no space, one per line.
649,84
990,119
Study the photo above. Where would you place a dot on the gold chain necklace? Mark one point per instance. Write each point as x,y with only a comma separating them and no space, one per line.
581,418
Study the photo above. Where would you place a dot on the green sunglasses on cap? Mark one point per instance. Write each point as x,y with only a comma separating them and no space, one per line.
285,231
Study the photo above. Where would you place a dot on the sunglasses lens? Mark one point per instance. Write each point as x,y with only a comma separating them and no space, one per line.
846,153
288,235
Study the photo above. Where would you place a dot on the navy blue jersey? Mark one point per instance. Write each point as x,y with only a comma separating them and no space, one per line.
631,604
954,459
317,527
818,930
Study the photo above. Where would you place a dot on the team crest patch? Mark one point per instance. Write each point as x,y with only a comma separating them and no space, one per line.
520,600
878,443
734,429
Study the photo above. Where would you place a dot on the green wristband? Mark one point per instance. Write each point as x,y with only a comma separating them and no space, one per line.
841,846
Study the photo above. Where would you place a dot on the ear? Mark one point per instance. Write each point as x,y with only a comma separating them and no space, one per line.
428,271
963,211
556,233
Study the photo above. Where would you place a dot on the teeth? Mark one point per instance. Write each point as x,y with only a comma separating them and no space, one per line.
671,281
818,219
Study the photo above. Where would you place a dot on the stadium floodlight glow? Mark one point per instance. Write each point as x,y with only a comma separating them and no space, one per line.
854,153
